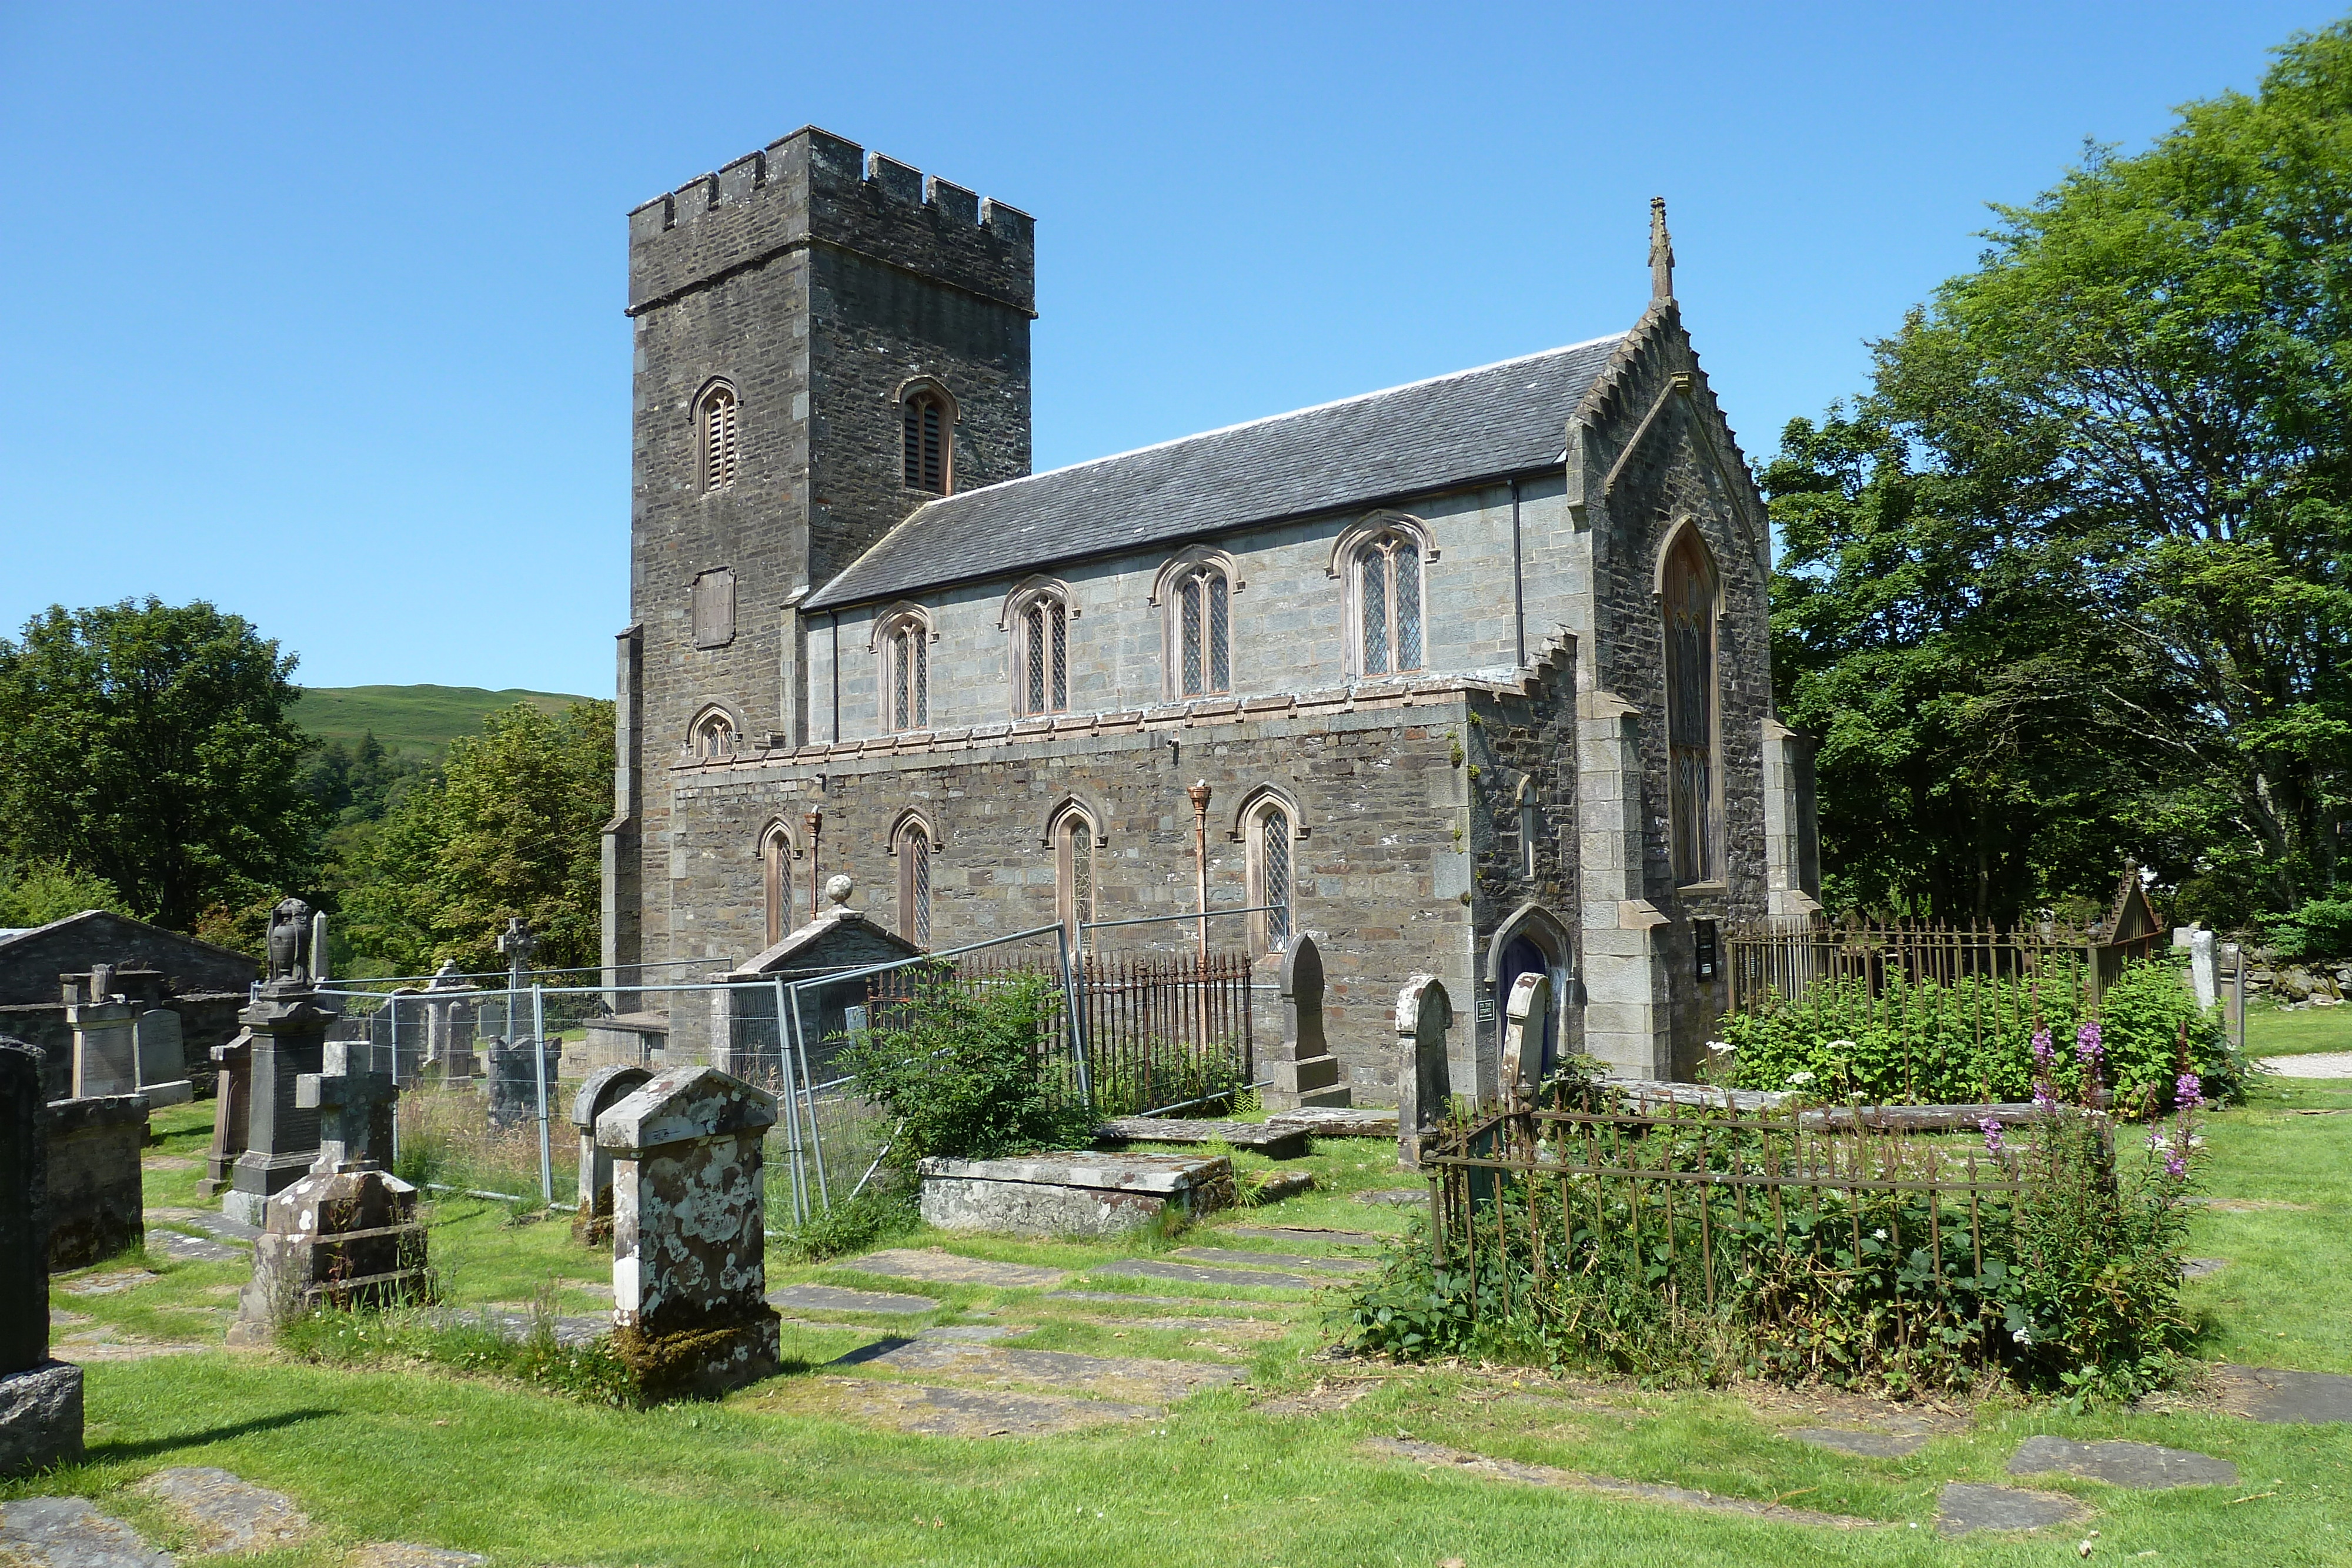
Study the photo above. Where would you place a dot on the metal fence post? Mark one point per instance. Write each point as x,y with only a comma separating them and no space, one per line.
807,1086
1078,1020
539,1071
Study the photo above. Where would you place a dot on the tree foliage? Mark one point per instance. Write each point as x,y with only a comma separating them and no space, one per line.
509,828
148,745
2069,580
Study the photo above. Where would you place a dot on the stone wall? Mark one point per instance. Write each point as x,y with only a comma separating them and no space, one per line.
31,963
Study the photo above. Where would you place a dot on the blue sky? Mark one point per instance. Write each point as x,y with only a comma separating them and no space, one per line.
316,308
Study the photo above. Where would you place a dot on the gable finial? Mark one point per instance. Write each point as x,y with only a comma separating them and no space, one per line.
1662,251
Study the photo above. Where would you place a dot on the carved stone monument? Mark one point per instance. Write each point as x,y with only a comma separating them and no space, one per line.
1305,1071
605,1088
689,1236
160,1048
516,1079
1425,1075
105,1036
232,1108
1526,1025
287,1025
2204,975
40,1399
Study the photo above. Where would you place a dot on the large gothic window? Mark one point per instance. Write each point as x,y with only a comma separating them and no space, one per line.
1201,599
713,739
718,434
914,850
1388,602
905,649
927,437
1688,601
1042,654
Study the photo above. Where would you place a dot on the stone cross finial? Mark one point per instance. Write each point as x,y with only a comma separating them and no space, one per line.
1662,251
345,1095
517,943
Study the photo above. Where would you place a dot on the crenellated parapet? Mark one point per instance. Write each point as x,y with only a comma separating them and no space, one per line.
812,187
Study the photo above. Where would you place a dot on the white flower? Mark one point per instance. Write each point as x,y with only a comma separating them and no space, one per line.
1841,1045
1720,1047
2022,1336
1880,1234
1800,1078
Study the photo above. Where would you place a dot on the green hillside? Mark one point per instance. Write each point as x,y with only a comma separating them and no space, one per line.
412,719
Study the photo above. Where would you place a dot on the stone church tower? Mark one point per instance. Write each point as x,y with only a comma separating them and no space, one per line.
798,319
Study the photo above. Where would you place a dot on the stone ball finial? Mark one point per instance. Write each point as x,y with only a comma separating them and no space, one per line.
839,889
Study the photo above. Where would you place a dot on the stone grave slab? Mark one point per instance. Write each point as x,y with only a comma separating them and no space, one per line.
570,1332
1641,1492
941,1267
835,1299
2143,1467
1274,1142
2272,1395
971,1412
112,1283
1114,1378
2201,1268
1962,1509
1193,1274
227,1513
1305,1233
1338,1121
1230,1328
90,1346
181,1248
406,1554
1071,1193
1867,1444
67,1532
1273,1187
1125,1298
1227,1256
211,1222
1394,1197
977,1333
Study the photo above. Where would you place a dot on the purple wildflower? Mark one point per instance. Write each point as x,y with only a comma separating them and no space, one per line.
1992,1125
2176,1164
2045,1057
2187,1090
2087,1050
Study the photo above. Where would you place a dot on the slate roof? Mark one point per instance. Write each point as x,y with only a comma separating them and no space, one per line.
1455,429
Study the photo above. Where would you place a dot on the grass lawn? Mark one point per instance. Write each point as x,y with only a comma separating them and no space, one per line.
777,1475
2273,1031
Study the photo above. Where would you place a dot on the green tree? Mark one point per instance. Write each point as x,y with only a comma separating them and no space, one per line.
511,828
2075,567
34,892
149,746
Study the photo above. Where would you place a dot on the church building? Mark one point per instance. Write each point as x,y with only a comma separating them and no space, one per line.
1475,669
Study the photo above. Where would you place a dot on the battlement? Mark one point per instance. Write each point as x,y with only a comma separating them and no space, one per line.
813,186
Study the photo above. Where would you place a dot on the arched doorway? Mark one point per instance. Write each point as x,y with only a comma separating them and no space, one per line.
1533,941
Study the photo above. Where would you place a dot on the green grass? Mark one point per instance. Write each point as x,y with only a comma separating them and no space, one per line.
776,1476
412,719
2273,1031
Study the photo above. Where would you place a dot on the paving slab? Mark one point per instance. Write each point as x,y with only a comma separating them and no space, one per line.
1124,1299
184,1249
1641,1492
2143,1467
1192,1274
1227,1255
227,1512
939,1267
2272,1395
1305,1233
67,1533
1868,1444
1112,1377
406,1554
833,1299
2317,1064
970,1412
1395,1196
211,1221
112,1283
2198,1268
1962,1509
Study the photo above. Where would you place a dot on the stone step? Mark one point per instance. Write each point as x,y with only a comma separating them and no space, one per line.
2272,1395
2143,1467
1191,1274
1227,1255
1112,1377
1963,1509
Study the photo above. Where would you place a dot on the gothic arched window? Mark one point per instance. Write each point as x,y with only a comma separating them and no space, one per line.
1201,631
904,644
1073,875
713,737
776,880
1387,573
1041,653
913,848
718,434
1268,840
1686,593
926,440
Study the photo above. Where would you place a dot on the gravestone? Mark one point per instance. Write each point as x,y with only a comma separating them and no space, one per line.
605,1088
1305,1071
1526,1018
232,1107
449,1018
160,1050
689,1236
397,1030
288,1028
1071,1194
105,1036
95,1205
514,1082
2204,977
40,1399
346,1233
1425,1074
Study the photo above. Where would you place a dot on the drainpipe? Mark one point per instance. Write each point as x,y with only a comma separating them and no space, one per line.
1518,598
814,822
1200,793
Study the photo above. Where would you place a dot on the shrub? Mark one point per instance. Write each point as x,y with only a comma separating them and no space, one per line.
853,1225
2321,928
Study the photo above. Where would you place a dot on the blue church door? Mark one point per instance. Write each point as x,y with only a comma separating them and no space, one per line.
1524,958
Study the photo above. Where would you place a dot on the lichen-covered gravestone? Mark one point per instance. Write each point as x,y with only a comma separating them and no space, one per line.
1528,1022
689,1232
605,1088
40,1399
1425,1078
105,1036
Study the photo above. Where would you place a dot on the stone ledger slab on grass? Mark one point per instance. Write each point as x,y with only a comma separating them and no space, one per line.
1071,1193
1228,1255
1962,1509
1273,1140
2143,1467
833,1299
1640,1492
971,1412
227,1512
67,1533
1114,1378
1868,1444
1126,1299
2270,1394
1305,1233
407,1554
942,1267
1394,1197
1192,1274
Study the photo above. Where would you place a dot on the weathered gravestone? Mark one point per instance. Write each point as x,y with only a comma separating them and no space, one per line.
232,1108
346,1233
160,1049
105,1036
2204,977
517,1082
40,1399
1305,1071
287,1027
449,1014
689,1232
1425,1075
1526,1026
605,1088
95,1207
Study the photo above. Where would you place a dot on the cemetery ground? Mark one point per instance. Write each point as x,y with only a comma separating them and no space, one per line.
1283,1453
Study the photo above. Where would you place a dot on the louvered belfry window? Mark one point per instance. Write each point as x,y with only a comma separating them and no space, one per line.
925,438
906,663
721,441
1690,711
1388,572
1203,630
1045,655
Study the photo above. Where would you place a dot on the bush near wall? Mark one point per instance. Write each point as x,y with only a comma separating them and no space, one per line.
1971,1041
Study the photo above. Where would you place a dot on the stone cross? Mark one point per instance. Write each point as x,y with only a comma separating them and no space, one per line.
1528,1019
353,1105
518,943
1425,1077
40,1399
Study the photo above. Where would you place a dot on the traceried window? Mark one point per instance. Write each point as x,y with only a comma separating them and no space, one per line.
1270,841
717,423
1202,635
714,737
1689,610
914,849
927,437
1388,586
905,647
1073,875
1044,656
776,881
